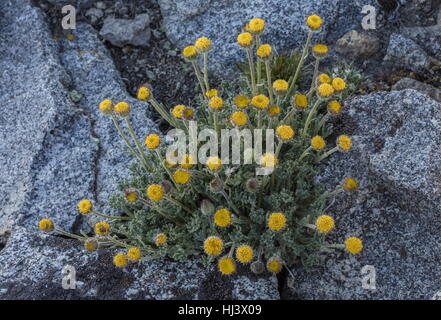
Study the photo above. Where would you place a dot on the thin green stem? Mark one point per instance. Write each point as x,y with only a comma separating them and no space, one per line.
252,74
166,169
314,76
321,123
207,85
138,145
310,116
304,154
259,64
268,79
179,204
327,154
200,78
70,235
111,217
230,202
164,114
166,216
123,136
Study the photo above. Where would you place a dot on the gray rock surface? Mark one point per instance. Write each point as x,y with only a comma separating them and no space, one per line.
121,32
427,89
37,273
396,211
360,45
222,21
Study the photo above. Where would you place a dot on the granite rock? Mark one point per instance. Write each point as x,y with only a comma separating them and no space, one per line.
121,32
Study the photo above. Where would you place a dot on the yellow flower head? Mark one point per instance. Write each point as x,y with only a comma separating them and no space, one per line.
324,223
188,113
338,84
256,25
46,225
155,192
203,44
325,90
106,106
144,93
222,218
350,184
300,101
214,163
244,254
264,51
320,50
268,160
274,264
324,78
134,254
216,103
273,111
178,110
120,260
160,239
353,245
226,265
344,143
318,143
285,132
102,228
187,161
85,206
260,101
189,52
122,109
131,195
245,39
211,93
152,141
213,245
239,118
70,36
90,245
276,221
314,22
280,86
181,176
334,107
241,101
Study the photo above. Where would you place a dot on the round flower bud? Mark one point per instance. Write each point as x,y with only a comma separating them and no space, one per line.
314,22
245,39
216,103
274,264
324,224
285,132
276,221
187,161
241,101
252,185
102,228
256,26
189,53
207,207
334,107
239,118
120,260
264,51
203,44
353,245
226,265
213,246
320,50
122,109
338,84
211,93
216,185
46,225
344,143
155,192
214,164
300,101
106,106
323,78
257,267
152,141
260,101
90,245
318,143
178,110
131,195
350,184
144,93
160,239
134,254
181,176
268,160
325,90
85,206
244,254
273,111
222,218
280,86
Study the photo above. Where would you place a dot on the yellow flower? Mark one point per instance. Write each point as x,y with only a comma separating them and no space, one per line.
213,245
244,254
239,118
280,86
324,78
245,39
276,221
122,109
320,50
90,245
338,84
274,264
260,101
226,265
273,111
188,113
46,225
134,254
169,164
85,206
325,90
187,161
222,217
152,141
106,106
178,111
203,44
144,93
318,143
160,239
353,245
285,132
268,160
324,224
344,143
241,101
189,52
102,228
264,51
334,107
155,192
214,163
70,36
131,195
181,176
300,101
314,22
120,260
256,25
216,103
350,184
211,93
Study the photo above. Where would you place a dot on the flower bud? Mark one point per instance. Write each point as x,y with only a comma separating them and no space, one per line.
257,267
207,207
252,185
216,185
